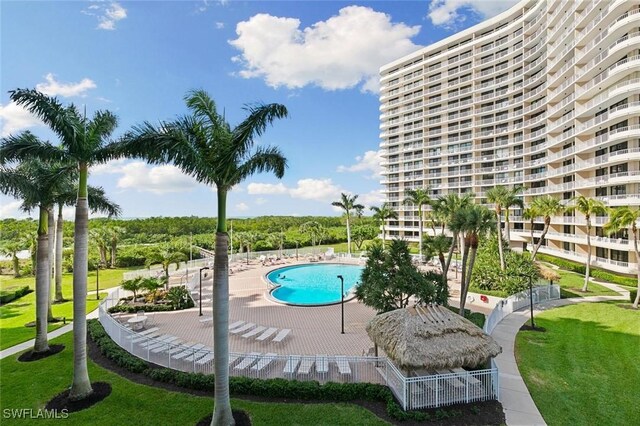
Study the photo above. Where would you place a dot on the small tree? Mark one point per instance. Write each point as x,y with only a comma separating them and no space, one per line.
390,279
152,285
437,246
362,233
382,214
133,286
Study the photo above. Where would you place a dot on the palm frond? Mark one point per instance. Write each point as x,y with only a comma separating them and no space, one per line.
99,202
268,159
27,146
98,129
260,116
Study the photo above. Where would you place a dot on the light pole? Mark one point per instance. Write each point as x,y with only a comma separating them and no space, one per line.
200,279
342,297
533,326
97,280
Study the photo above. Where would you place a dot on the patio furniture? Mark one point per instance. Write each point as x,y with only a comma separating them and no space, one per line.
137,322
207,358
235,324
305,365
242,328
291,365
281,335
343,365
456,383
268,333
198,354
322,364
180,348
153,340
264,361
165,347
254,332
233,358
143,333
146,337
162,343
206,320
247,361
187,351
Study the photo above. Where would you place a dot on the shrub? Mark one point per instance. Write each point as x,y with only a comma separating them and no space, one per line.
180,298
487,275
12,294
632,295
133,309
613,278
563,263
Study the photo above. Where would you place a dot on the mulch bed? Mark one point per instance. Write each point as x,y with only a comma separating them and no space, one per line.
60,402
475,414
527,327
30,356
241,418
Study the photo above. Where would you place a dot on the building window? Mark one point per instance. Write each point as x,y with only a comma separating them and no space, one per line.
619,256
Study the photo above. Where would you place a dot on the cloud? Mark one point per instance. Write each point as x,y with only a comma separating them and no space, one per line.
340,53
369,162
446,13
11,209
55,88
242,207
141,177
106,14
372,198
219,25
266,188
14,118
306,189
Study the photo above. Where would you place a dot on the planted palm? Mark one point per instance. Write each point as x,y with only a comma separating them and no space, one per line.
530,214
348,203
419,198
206,147
497,196
382,214
446,208
82,143
547,207
588,207
627,218
513,199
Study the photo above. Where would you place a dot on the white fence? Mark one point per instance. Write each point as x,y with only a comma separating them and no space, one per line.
411,392
518,301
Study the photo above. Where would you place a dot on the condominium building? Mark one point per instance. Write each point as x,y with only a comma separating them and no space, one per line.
544,95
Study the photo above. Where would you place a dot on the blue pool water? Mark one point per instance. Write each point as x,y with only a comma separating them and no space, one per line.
313,284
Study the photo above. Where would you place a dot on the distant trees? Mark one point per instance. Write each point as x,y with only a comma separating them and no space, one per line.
382,214
348,204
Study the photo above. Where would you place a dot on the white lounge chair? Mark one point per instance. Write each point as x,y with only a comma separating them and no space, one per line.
236,324
254,332
207,358
206,320
247,361
322,364
188,351
151,341
153,335
264,361
305,365
233,358
268,333
180,348
291,365
281,335
242,328
196,355
451,380
143,333
165,347
343,365
161,343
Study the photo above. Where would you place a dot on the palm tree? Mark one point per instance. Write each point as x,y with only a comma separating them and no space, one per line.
588,207
382,214
11,248
35,183
472,221
546,206
497,195
418,197
133,286
167,256
446,207
438,245
114,233
99,238
513,199
530,214
314,230
205,146
626,218
83,143
348,203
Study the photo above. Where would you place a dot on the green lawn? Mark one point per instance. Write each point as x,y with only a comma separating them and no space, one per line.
584,369
31,385
14,315
571,286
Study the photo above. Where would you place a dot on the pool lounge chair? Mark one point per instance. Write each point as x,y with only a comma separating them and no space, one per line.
281,335
206,320
268,333
163,342
198,354
343,365
236,324
291,365
243,328
207,358
152,335
166,347
264,361
247,361
187,351
305,365
322,364
254,332
180,348
143,333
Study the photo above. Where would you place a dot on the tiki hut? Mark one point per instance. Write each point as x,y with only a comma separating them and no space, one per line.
432,338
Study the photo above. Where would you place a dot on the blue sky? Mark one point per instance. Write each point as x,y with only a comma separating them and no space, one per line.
138,59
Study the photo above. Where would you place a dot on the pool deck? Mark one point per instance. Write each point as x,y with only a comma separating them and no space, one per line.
314,330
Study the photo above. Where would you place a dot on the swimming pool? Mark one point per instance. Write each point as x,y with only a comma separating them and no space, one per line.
315,284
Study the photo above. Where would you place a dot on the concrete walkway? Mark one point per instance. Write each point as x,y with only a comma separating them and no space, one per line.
517,403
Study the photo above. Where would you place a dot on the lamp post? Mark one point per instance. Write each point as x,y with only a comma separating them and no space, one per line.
98,280
342,299
200,279
533,326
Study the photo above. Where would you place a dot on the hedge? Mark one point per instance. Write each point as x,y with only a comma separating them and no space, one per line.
278,388
594,272
613,278
563,263
133,309
7,296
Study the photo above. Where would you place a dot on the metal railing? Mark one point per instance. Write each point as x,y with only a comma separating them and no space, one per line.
518,301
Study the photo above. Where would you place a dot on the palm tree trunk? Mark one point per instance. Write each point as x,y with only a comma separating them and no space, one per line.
114,249
445,270
531,230
463,295
348,236
383,236
635,247
81,386
222,404
467,284
506,226
50,244
58,256
43,274
16,265
537,246
586,272
499,234
420,230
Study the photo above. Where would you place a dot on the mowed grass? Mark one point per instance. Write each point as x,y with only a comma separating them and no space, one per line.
571,286
32,385
584,369
14,315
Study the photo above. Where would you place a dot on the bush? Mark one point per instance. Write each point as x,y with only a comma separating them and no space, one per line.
613,278
131,309
594,272
563,263
180,298
487,275
632,295
12,294
278,388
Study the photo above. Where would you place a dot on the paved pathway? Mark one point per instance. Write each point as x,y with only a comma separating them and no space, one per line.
517,403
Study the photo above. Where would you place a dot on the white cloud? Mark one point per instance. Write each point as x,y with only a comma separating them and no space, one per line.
242,207
266,188
372,198
106,14
339,53
11,209
55,88
446,12
14,118
369,162
142,177
219,25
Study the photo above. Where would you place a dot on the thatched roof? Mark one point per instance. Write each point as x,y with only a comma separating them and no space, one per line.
431,337
547,273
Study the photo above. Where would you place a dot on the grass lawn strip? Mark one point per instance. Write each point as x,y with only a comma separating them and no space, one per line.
583,370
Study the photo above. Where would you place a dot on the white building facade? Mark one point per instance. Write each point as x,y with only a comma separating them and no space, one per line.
545,95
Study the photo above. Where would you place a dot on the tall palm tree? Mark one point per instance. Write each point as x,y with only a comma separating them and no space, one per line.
35,183
446,207
473,222
382,214
83,143
205,146
547,207
438,245
314,229
419,198
347,203
588,207
627,218
114,234
497,196
530,213
512,199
